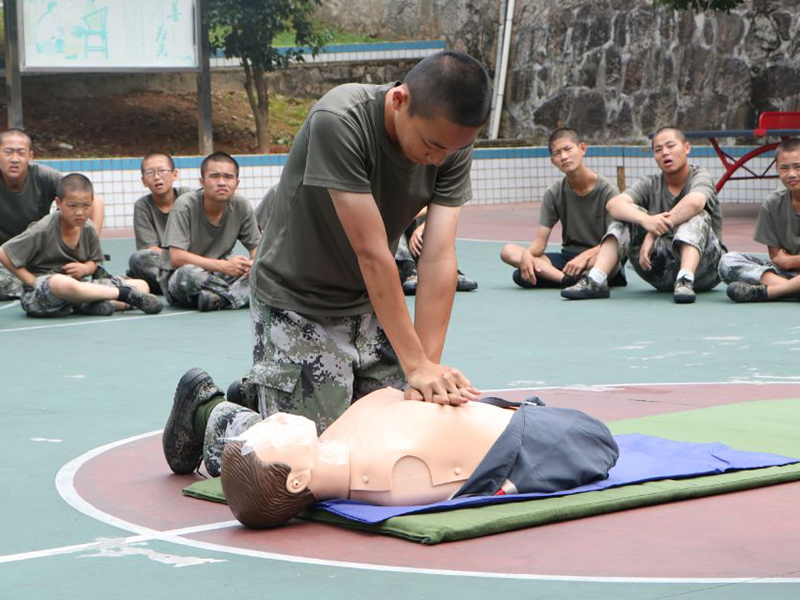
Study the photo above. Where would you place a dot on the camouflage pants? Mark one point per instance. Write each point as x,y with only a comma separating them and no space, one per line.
183,285
143,264
10,286
226,421
749,268
40,301
317,366
666,258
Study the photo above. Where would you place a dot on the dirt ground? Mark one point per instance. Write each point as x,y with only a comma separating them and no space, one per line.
134,124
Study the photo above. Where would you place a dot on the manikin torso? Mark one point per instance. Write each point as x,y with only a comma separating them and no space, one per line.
410,452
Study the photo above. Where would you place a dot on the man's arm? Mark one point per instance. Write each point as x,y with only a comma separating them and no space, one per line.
98,214
21,273
783,260
363,225
622,208
79,270
235,266
688,206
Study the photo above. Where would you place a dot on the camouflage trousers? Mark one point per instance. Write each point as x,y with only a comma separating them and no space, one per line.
10,286
226,421
143,264
182,286
40,301
665,258
749,268
316,366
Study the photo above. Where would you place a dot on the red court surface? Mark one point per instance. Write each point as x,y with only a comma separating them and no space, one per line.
739,535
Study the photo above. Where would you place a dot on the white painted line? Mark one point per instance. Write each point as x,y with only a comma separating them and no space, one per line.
99,320
10,305
66,489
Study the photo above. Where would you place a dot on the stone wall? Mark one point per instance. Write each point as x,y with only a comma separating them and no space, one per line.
615,69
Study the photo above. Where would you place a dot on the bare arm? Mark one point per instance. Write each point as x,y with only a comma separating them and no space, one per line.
21,273
235,266
784,260
690,205
154,248
622,208
365,230
539,244
98,214
79,270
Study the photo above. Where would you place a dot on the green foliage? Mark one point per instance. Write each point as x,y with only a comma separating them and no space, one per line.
247,29
702,5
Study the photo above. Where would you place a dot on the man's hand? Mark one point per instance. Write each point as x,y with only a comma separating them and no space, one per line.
658,224
432,382
527,267
235,266
646,250
782,260
415,241
577,265
76,270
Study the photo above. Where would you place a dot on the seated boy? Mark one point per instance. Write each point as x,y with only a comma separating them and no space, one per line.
384,449
671,228
751,278
150,214
579,201
197,270
55,257
409,249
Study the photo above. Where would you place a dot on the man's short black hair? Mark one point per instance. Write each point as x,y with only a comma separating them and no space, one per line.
15,131
150,155
452,85
218,157
678,133
74,182
563,132
787,145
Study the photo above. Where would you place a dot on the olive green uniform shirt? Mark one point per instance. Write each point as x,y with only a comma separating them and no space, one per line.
31,203
149,223
584,219
778,224
305,262
41,250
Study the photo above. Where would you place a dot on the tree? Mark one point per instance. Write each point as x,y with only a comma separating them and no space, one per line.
245,29
702,5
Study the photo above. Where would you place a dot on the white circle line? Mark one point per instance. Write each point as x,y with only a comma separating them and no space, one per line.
65,480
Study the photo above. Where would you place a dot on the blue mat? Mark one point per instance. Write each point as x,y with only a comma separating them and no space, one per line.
642,458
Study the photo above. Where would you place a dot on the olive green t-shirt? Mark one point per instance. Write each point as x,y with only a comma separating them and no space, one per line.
149,223
41,250
584,219
31,203
652,193
188,228
305,262
778,224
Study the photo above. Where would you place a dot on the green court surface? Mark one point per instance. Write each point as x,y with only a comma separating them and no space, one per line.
75,384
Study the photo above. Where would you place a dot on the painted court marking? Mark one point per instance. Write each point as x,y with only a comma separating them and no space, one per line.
10,305
65,485
98,321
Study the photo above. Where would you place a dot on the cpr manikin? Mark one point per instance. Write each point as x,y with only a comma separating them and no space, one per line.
391,451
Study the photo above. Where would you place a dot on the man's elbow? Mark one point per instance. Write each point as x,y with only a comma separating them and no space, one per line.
176,258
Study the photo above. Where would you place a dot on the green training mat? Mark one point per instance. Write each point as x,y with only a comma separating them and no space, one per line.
763,426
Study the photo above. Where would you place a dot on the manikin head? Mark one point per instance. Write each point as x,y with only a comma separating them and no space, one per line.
566,150
268,472
787,163
670,149
440,107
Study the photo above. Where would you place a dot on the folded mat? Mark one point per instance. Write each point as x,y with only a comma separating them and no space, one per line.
753,427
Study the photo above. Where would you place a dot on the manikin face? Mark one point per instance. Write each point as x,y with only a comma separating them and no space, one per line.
15,154
566,154
426,141
220,181
788,166
157,175
670,152
75,208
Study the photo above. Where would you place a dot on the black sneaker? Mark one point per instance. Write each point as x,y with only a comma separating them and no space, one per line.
465,284
739,291
684,291
208,301
586,289
183,448
569,281
101,308
410,285
244,393
147,303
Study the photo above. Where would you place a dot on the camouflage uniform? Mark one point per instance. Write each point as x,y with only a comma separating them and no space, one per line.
736,266
10,286
143,264
183,285
226,421
666,259
39,300
316,366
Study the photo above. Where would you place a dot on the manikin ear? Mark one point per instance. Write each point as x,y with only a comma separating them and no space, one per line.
297,481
